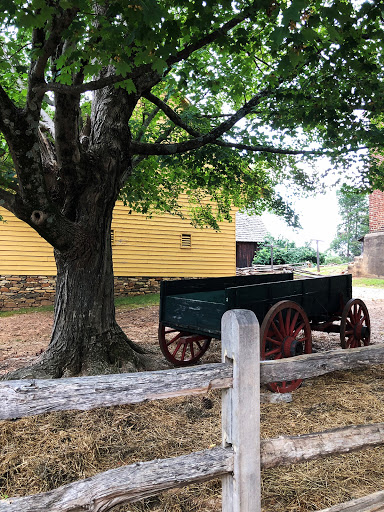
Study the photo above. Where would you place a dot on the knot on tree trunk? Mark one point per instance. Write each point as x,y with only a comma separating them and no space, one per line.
38,217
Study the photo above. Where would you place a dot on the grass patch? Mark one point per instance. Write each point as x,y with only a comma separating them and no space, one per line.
23,311
131,302
328,270
369,282
138,301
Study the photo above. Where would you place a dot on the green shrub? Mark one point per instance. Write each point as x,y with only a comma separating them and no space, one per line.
336,260
285,252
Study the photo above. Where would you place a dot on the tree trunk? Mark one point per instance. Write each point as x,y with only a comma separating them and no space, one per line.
86,338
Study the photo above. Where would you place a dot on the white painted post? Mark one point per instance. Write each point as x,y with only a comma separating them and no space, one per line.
240,339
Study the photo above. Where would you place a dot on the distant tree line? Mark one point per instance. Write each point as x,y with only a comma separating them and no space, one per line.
286,252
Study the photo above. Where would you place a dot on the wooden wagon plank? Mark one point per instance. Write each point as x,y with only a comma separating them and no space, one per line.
127,484
371,503
286,450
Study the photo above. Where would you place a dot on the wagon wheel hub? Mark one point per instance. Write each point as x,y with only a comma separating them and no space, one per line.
361,332
292,347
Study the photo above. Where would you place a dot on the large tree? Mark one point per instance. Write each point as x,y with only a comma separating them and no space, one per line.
143,100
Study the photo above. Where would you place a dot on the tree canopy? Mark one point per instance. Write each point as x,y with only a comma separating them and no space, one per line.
144,100
299,74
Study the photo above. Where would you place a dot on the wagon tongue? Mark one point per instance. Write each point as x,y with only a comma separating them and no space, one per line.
292,347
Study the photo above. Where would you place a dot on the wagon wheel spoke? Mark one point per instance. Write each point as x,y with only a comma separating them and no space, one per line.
174,339
281,324
355,325
288,321
271,352
177,348
272,340
294,322
285,331
182,348
362,319
184,351
277,331
298,329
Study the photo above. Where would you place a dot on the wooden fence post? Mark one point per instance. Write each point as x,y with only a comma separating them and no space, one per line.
240,338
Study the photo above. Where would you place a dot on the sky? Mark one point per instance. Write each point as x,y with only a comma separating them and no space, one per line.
318,217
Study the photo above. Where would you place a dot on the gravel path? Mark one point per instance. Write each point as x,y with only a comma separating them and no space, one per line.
361,292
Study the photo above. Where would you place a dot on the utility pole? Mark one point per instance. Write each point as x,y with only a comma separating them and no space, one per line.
317,253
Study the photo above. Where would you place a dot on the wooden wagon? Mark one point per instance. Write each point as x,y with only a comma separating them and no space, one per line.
288,311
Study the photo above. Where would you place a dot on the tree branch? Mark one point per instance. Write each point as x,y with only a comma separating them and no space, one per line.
7,200
46,49
59,24
212,36
93,85
170,113
47,123
200,140
8,113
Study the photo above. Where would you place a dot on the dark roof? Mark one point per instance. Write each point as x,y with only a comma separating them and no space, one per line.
249,228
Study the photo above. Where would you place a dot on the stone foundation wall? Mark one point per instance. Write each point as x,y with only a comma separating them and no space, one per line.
33,291
371,262
26,291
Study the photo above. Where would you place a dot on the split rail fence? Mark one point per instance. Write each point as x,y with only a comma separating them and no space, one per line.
238,461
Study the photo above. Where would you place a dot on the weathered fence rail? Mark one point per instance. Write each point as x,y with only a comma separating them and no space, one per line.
30,397
242,454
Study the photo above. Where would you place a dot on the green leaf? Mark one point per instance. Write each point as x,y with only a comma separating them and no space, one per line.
159,65
128,85
277,36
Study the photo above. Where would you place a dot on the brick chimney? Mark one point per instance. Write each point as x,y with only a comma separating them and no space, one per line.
376,211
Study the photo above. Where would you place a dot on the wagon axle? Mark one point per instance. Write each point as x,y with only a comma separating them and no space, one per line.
292,347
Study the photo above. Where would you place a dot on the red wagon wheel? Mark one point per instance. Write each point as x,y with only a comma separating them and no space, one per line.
355,326
182,348
285,332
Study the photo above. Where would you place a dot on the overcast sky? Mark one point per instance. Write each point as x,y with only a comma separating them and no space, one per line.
318,217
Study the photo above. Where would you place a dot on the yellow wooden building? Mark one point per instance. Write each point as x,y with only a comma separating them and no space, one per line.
161,246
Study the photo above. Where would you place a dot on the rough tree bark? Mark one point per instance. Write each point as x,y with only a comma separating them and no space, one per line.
83,180
86,338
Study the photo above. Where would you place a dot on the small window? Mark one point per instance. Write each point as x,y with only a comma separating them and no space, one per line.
186,241
112,236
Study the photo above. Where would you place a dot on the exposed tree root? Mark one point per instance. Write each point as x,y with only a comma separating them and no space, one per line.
95,355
